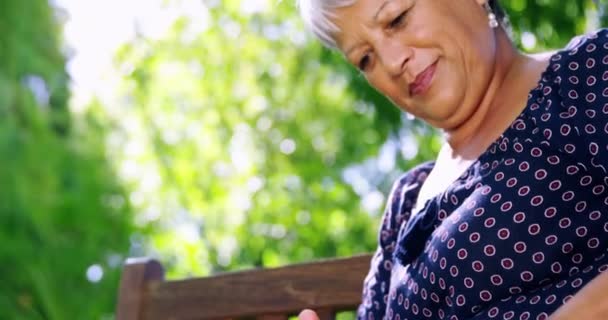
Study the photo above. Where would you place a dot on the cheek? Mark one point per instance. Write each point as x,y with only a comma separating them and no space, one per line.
450,89
448,101
453,83
446,98
388,87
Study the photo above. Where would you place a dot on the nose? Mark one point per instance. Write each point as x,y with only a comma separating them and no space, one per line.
394,55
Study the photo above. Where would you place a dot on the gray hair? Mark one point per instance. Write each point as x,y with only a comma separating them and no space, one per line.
317,16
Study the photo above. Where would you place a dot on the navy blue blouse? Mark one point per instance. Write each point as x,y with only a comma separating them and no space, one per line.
524,228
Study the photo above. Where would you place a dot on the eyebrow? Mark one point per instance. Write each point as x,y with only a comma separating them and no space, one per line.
381,8
349,51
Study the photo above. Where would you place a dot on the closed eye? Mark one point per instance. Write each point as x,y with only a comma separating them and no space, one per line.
398,21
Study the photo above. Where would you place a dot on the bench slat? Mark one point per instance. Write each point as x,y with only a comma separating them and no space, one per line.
272,317
327,314
331,285
136,275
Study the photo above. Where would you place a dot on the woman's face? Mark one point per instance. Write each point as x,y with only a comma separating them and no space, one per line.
432,58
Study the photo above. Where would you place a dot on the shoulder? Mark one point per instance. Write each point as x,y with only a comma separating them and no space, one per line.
583,55
587,42
579,71
574,93
582,69
403,195
408,185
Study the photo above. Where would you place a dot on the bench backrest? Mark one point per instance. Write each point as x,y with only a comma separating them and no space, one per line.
327,286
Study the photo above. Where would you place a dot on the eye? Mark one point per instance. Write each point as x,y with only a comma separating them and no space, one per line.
398,21
364,62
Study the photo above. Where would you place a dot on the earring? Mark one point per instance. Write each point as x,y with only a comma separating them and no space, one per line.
492,21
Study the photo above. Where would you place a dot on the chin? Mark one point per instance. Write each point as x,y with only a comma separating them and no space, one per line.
450,100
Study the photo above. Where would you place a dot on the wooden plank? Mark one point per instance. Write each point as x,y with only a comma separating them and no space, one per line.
272,317
328,313
136,275
333,284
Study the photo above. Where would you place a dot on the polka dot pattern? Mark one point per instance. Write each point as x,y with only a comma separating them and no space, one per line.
524,228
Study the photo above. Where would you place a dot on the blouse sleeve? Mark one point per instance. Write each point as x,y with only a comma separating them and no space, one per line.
398,209
583,130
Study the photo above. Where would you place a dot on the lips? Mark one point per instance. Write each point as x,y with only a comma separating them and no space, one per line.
423,80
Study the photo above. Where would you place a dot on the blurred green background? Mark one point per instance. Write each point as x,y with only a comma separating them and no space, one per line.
230,140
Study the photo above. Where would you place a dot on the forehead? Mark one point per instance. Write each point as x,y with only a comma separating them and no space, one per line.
352,20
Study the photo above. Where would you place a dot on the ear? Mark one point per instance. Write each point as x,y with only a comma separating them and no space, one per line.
482,2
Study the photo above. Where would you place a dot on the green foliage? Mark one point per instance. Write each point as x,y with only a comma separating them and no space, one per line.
30,48
552,22
60,208
250,158
266,146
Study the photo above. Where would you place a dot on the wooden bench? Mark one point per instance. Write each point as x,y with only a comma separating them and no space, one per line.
327,286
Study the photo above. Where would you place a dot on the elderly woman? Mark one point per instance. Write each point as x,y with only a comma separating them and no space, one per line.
511,220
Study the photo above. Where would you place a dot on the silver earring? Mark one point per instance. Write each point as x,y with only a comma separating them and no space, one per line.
492,21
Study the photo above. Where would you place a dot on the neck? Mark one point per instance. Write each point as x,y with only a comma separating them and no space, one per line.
499,105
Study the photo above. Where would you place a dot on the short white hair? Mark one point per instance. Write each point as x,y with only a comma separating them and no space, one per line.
317,16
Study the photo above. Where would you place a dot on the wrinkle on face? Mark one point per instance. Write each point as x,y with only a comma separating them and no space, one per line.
434,31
